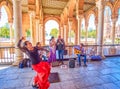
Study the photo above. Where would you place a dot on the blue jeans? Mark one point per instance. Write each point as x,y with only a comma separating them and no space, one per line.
79,58
44,58
60,54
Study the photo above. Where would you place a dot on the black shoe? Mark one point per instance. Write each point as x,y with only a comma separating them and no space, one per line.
85,65
35,86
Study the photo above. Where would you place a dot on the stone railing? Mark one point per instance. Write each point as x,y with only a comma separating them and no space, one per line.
7,54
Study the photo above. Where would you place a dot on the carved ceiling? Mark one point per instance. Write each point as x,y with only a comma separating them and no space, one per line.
54,7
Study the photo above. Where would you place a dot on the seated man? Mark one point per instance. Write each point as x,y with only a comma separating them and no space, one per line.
82,53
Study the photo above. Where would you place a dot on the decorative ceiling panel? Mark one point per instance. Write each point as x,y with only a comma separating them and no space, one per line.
54,6
89,4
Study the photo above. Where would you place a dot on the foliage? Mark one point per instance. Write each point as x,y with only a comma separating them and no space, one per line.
117,40
54,32
28,33
92,33
72,34
5,32
83,32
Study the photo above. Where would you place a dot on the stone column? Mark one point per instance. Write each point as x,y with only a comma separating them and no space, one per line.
62,32
11,32
31,25
79,30
59,30
40,33
65,33
18,29
112,49
113,30
43,32
96,24
70,28
100,6
37,30
86,29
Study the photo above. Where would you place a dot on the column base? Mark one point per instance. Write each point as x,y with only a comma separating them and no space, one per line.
112,50
103,57
16,63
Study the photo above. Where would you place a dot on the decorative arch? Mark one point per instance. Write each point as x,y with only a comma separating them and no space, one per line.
111,7
116,8
8,8
57,19
89,14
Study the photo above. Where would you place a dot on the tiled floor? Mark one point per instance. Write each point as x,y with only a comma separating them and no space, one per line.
97,75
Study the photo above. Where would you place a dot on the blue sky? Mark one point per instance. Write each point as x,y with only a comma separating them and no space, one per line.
4,17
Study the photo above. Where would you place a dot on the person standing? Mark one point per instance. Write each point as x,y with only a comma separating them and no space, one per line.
42,68
52,46
60,47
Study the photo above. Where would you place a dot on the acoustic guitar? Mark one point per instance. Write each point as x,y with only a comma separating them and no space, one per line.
77,51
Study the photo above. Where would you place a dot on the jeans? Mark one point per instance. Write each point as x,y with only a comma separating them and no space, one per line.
60,54
79,58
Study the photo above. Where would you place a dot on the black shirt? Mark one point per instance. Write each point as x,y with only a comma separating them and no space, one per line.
32,54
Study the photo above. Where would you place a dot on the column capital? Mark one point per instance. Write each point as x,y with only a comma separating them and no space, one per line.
100,4
10,20
17,0
36,17
114,20
79,17
70,19
37,20
32,13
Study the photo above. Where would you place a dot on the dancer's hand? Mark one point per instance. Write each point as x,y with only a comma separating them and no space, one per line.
23,38
48,54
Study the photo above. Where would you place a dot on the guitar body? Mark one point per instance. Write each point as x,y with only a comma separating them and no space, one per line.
76,51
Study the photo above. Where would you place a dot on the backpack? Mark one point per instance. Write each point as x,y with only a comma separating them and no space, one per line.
25,63
96,58
71,63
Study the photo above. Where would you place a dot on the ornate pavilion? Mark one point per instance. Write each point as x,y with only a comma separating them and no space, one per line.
33,14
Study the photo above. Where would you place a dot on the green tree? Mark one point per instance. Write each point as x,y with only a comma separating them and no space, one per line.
83,33
117,40
72,34
54,32
4,32
92,33
28,33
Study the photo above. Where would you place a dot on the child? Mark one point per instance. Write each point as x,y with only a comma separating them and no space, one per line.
41,52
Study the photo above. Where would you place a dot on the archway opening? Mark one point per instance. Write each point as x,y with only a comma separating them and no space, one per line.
6,32
91,30
72,37
107,25
83,31
51,29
